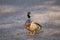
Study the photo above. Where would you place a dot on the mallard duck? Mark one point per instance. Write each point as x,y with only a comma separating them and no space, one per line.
32,26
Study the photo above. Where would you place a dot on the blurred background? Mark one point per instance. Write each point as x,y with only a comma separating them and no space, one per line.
13,17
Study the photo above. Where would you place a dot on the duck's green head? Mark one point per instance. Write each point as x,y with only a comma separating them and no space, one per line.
28,14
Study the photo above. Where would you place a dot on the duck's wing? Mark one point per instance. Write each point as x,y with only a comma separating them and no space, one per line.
39,25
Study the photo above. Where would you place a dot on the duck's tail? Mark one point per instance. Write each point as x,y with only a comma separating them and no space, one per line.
40,26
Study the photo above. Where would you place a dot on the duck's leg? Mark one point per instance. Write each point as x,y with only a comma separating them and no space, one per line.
31,33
